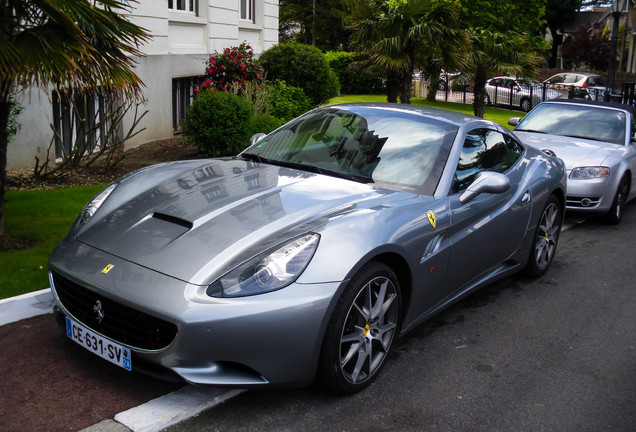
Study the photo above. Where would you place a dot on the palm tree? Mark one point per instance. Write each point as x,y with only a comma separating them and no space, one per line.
400,34
73,45
493,53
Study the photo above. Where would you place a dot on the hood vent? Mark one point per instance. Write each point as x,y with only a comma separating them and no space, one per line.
173,219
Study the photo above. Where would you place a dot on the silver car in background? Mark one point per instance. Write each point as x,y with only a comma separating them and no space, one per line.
596,142
522,93
307,254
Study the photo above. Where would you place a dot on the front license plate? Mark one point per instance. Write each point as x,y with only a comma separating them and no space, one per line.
106,349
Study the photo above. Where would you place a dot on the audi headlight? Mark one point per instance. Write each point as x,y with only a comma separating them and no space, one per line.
91,208
591,172
269,271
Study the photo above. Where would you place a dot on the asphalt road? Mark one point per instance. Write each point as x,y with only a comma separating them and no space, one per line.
554,354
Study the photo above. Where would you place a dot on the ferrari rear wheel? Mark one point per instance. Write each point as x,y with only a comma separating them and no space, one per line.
615,214
545,239
361,331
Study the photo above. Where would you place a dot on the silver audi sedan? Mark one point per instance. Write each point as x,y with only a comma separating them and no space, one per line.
597,143
306,255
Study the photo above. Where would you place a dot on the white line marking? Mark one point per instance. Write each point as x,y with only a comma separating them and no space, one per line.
173,408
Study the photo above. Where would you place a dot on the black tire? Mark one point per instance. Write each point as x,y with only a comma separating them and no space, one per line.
360,333
546,237
525,105
615,213
487,100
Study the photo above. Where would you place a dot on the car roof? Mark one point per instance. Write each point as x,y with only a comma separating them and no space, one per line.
630,108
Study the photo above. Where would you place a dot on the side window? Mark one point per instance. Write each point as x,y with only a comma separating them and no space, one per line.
485,150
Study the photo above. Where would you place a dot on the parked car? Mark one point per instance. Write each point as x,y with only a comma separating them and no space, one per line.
596,142
583,85
517,92
309,252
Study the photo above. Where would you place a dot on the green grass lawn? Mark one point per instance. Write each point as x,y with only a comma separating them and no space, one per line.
497,115
42,215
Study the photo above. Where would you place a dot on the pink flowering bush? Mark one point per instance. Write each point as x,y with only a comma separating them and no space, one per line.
234,66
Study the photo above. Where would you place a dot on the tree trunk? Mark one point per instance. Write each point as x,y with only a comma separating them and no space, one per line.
479,105
434,80
5,112
392,86
557,40
406,86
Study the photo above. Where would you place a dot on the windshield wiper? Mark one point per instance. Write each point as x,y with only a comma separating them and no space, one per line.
255,157
306,167
530,130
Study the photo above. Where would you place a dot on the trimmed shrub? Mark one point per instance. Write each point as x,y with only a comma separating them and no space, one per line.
353,81
265,123
218,123
302,66
287,102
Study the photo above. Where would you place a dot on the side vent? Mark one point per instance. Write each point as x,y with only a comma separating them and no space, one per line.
433,247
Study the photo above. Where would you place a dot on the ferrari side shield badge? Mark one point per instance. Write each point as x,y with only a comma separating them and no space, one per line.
431,217
110,266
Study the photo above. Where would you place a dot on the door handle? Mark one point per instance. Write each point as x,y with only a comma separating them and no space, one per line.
526,198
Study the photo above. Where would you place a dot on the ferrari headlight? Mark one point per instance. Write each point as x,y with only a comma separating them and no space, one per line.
269,271
92,207
591,172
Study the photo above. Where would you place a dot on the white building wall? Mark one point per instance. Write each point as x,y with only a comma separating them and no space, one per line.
180,45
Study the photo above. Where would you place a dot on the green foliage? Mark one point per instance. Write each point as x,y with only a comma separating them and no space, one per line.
353,80
302,66
234,66
297,23
218,123
526,17
14,125
288,102
265,123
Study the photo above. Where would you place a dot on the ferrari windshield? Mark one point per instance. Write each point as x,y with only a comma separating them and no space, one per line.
389,147
579,121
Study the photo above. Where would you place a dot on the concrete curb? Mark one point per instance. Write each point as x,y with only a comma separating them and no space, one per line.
26,306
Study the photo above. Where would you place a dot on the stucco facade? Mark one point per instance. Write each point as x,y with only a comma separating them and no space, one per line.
181,42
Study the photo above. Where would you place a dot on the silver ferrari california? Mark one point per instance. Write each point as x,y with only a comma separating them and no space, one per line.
306,255
597,142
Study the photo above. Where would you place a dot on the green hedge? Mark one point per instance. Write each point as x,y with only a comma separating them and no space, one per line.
302,66
219,123
353,80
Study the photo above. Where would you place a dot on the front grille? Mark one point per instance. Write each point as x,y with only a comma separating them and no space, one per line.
120,323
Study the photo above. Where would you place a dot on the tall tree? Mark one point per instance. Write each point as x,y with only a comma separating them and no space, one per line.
494,52
71,45
398,34
300,22
559,13
526,17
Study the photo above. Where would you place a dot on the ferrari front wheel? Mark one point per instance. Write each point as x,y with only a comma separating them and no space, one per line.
361,330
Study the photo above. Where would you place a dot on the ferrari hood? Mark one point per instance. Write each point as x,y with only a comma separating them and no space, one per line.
196,220
575,152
